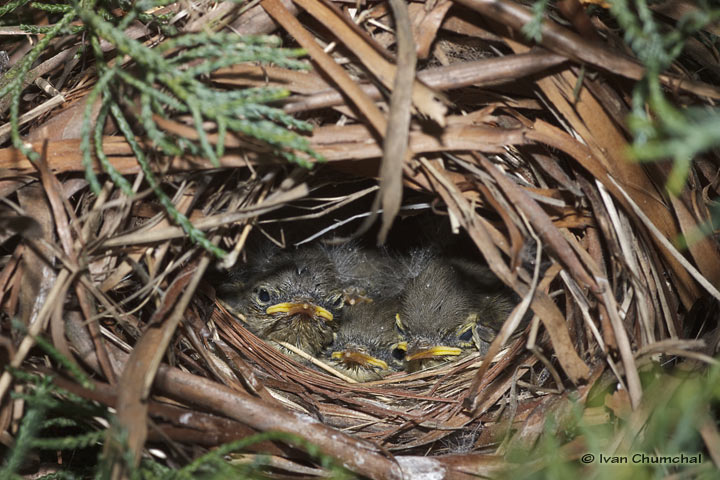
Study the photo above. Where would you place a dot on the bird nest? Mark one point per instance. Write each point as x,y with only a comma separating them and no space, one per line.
532,176
401,412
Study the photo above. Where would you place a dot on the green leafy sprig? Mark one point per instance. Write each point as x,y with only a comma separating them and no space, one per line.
162,83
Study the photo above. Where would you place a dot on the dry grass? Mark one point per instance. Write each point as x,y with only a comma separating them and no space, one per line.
517,149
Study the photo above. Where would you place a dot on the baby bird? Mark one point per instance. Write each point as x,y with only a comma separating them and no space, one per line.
292,297
366,274
368,345
449,309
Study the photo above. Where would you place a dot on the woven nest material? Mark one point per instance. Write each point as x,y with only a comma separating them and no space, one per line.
526,166
402,412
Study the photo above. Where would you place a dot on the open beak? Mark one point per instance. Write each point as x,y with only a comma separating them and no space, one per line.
305,308
359,358
432,352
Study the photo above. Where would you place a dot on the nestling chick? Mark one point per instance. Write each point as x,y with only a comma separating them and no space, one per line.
366,274
368,344
291,297
449,310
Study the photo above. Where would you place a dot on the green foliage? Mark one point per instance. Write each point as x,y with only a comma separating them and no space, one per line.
69,443
57,420
533,29
673,428
143,84
29,428
50,410
660,129
214,464
11,6
663,130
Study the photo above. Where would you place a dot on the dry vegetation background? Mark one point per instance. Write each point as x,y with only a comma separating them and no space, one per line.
425,109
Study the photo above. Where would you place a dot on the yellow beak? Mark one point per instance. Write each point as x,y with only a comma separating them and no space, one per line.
437,351
359,358
306,308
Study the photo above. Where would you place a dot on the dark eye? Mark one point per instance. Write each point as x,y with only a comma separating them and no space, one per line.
338,301
262,295
467,335
399,350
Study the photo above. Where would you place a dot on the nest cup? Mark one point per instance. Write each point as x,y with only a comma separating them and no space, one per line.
401,412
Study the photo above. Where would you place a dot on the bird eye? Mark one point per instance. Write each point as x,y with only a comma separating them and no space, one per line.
467,335
398,354
262,295
338,301
398,351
